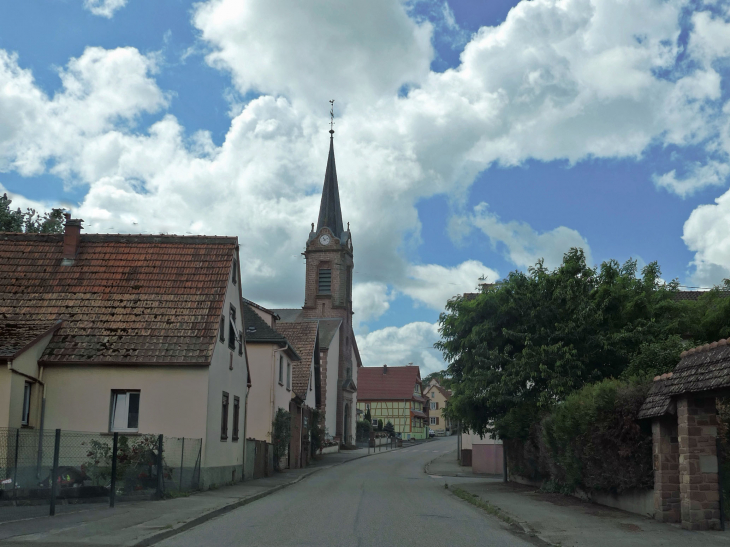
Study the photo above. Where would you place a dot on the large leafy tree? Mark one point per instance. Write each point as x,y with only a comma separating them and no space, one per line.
30,221
520,346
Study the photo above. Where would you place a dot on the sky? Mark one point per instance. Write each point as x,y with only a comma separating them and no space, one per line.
472,138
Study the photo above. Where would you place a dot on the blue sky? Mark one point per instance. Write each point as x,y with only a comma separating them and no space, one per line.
471,139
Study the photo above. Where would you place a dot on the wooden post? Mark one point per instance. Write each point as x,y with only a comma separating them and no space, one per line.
54,472
113,492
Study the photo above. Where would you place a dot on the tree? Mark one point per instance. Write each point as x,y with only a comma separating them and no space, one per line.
524,344
390,429
380,425
367,417
440,376
280,435
29,222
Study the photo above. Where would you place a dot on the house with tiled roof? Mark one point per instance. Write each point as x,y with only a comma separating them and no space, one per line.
394,394
437,397
284,363
126,333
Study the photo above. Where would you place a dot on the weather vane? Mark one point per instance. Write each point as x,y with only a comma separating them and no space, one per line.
332,116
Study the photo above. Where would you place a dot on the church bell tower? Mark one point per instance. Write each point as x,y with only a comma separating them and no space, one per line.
328,291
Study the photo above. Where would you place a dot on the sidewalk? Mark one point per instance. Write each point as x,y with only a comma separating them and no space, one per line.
146,522
563,520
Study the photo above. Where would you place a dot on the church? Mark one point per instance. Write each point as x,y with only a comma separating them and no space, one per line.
328,301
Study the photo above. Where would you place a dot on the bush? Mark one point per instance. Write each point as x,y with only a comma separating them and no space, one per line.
389,428
591,441
280,434
363,429
380,425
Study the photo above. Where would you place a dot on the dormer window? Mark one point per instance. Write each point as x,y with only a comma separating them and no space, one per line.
416,389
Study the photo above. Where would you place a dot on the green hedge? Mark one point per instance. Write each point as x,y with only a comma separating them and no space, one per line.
590,441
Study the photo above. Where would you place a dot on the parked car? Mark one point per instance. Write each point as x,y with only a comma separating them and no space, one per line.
431,433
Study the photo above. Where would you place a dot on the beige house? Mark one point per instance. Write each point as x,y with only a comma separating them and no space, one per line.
437,397
284,364
131,333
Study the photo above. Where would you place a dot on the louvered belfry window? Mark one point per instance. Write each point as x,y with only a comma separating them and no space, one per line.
325,281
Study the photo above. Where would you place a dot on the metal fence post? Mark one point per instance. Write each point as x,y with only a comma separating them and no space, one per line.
54,473
182,458
160,478
113,492
15,466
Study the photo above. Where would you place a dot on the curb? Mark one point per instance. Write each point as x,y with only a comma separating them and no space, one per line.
160,536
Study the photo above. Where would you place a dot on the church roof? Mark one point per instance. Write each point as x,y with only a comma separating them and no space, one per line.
329,208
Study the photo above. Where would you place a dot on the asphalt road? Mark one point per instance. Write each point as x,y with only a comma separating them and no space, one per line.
376,501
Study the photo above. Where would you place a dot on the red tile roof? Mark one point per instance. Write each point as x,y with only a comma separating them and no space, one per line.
303,337
136,299
397,384
18,336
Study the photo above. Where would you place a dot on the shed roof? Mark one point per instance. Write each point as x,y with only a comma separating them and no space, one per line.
396,384
136,299
327,330
704,368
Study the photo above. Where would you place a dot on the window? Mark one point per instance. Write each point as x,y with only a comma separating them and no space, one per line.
125,411
281,370
232,327
240,342
375,423
325,281
224,417
26,404
223,329
236,412
433,395
235,272
416,390
433,406
288,375
434,421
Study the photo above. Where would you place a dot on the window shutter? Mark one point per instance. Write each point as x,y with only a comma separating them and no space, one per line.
223,329
325,281
437,405
437,421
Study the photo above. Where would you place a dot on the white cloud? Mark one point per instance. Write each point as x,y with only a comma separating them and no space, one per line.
104,8
434,285
523,245
317,50
699,176
707,233
398,346
370,301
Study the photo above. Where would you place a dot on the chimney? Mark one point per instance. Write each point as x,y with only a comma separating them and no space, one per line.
71,239
385,369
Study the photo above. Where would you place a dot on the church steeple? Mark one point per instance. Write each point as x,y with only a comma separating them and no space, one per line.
329,208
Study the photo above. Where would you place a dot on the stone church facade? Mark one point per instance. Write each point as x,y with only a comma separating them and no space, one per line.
328,299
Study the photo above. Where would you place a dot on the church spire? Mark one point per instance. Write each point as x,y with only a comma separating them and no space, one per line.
329,208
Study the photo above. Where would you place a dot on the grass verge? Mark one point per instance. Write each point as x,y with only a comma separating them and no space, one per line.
485,505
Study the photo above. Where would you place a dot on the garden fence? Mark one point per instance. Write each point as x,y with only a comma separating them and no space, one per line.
43,467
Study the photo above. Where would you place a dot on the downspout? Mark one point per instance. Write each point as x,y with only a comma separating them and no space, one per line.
301,430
